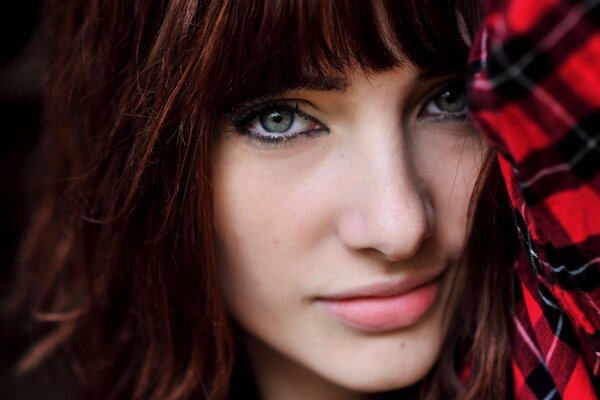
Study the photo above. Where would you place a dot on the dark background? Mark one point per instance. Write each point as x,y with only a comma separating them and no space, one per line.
21,74
21,63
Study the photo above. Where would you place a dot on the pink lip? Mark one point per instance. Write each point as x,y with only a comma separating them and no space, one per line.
382,307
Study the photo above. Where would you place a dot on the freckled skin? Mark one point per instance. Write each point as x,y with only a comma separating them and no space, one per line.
381,195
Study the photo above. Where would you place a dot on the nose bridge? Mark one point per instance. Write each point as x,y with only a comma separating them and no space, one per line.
388,209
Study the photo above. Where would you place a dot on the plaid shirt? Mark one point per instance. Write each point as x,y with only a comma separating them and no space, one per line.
535,93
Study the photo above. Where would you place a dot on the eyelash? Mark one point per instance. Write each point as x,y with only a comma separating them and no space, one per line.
445,116
241,116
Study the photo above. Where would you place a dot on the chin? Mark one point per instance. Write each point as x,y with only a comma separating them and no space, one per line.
384,366
396,378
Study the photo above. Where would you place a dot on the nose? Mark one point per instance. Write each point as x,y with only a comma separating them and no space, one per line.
386,208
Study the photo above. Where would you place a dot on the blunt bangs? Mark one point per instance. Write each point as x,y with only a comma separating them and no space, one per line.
262,47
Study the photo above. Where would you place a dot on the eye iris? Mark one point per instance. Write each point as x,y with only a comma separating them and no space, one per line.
277,121
451,100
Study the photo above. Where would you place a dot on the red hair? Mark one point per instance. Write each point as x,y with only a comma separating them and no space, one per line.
119,259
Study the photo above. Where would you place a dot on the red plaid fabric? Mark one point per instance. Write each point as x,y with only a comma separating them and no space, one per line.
535,93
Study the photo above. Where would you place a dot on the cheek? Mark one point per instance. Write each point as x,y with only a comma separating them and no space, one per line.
273,202
247,236
268,213
450,167
246,227
256,215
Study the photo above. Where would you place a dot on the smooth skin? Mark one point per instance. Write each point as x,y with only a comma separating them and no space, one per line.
373,188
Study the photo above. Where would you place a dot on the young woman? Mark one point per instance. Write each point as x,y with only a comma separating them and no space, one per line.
280,200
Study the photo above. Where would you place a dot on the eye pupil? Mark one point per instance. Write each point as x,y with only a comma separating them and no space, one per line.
277,121
451,100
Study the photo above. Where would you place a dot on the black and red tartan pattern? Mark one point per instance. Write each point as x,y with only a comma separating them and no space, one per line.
535,93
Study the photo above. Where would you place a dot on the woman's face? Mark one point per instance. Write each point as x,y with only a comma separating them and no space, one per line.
340,208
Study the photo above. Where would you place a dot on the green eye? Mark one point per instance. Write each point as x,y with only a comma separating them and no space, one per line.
277,121
272,123
451,99
446,104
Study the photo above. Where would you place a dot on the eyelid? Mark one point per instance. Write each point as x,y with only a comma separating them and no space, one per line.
244,113
241,116
437,90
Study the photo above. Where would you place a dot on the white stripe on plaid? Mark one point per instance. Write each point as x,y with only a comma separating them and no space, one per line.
559,31
550,394
529,342
555,340
576,271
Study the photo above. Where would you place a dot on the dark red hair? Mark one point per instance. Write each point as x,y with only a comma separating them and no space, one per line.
119,259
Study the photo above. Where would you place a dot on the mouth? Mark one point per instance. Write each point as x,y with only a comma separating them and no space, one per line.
384,306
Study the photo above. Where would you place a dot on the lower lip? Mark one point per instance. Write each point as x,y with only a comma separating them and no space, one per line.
380,314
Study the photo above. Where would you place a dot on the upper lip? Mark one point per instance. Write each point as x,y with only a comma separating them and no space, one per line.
383,289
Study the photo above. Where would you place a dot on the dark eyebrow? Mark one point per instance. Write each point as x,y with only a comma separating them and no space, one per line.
319,83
